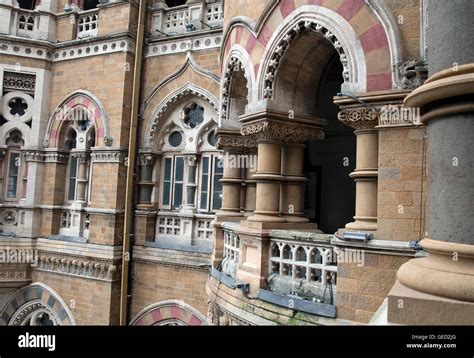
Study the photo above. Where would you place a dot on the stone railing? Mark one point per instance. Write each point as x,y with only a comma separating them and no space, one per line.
230,260
88,24
74,223
302,264
187,18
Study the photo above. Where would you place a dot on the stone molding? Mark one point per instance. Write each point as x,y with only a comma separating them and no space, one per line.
234,65
359,118
108,156
67,53
78,266
183,45
236,142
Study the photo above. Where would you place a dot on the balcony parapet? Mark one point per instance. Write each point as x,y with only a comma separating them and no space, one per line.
186,18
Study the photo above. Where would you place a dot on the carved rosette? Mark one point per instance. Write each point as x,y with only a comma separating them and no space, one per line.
282,132
359,118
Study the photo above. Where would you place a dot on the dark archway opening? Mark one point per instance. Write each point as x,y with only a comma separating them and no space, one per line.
310,75
173,3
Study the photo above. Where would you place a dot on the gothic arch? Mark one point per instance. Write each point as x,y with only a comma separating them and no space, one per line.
151,128
9,127
36,298
376,39
78,99
327,23
167,313
237,60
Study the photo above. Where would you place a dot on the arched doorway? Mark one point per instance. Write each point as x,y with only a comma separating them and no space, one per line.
309,75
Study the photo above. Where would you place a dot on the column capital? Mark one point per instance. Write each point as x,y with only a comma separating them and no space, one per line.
283,132
234,141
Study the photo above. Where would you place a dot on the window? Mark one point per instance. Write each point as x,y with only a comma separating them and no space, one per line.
211,187
173,183
13,175
73,169
193,115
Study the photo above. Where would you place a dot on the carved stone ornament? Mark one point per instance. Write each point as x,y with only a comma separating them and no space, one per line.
282,132
236,143
413,74
359,118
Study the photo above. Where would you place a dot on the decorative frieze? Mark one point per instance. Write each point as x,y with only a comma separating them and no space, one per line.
16,81
282,132
113,156
76,266
56,158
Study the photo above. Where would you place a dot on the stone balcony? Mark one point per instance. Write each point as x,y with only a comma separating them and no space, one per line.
186,18
299,271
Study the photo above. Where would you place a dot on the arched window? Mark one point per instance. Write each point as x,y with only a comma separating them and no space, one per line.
79,137
186,181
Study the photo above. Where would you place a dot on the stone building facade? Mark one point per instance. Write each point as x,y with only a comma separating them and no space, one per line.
224,162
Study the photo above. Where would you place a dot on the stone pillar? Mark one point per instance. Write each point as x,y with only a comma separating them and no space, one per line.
232,143
292,187
250,191
439,289
279,177
364,121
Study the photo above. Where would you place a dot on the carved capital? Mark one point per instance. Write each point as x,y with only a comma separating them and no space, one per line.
359,118
282,132
236,143
413,74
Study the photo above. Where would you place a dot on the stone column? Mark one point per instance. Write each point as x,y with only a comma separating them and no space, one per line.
292,187
233,144
364,120
279,194
250,191
439,289
191,164
268,177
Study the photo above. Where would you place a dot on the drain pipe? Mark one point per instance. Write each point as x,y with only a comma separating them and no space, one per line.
132,151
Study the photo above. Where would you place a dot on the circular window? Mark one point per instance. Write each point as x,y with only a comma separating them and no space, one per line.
193,115
175,139
18,107
212,138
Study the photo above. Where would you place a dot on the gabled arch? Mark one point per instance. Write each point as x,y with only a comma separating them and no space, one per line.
36,296
170,312
168,102
77,99
188,63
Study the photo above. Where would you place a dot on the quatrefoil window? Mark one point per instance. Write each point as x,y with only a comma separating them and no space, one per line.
18,107
193,115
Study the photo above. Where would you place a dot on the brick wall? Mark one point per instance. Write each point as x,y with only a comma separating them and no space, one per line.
401,186
361,290
92,302
154,283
